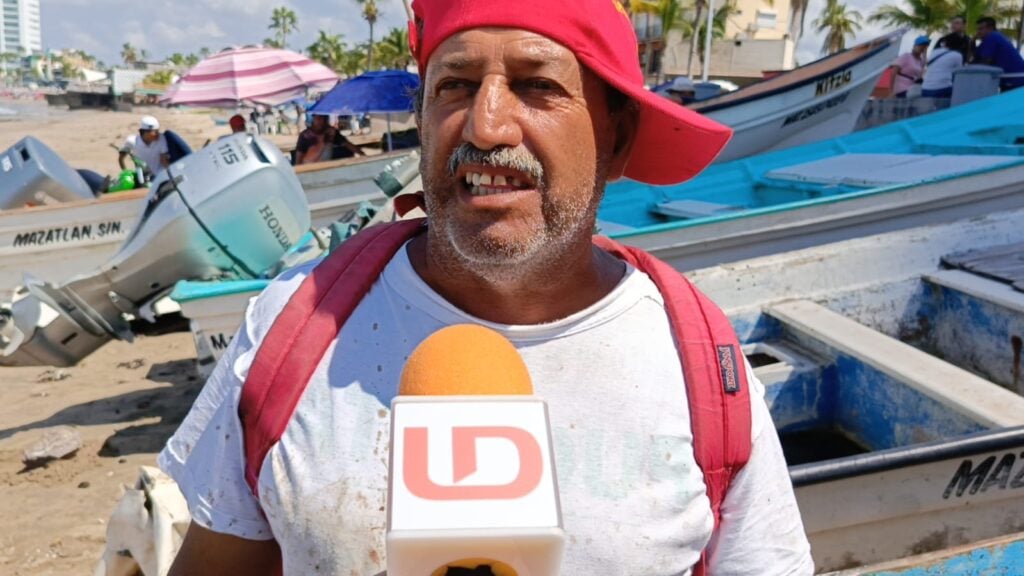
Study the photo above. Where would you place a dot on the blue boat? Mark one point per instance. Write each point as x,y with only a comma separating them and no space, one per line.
893,370
960,162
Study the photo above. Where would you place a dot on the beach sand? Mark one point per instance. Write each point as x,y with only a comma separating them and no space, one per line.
125,400
83,137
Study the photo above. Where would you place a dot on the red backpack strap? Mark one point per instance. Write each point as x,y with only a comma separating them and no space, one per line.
716,377
302,332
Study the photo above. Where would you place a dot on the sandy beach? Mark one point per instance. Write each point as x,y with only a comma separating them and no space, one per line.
125,400
83,137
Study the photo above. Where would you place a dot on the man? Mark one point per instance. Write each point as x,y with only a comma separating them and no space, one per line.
343,147
682,91
149,146
522,125
237,124
957,36
997,50
315,143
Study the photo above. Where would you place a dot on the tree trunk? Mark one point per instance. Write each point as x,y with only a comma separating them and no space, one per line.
694,37
369,51
1020,28
648,49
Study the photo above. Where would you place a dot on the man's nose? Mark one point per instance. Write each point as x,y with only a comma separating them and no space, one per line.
492,120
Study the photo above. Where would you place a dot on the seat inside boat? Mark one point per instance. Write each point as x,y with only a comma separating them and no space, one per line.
691,209
878,170
914,362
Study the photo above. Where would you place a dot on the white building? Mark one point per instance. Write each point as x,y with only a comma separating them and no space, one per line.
20,31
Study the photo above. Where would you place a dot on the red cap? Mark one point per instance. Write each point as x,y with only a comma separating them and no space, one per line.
237,122
672,144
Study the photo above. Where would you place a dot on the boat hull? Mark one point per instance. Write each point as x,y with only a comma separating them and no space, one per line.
55,242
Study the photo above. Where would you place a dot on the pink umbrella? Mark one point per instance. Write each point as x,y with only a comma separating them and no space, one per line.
252,74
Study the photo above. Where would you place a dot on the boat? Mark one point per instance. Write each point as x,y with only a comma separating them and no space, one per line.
814,102
56,241
960,162
1003,555
892,368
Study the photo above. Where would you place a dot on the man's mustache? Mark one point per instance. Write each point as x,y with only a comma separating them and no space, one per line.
519,159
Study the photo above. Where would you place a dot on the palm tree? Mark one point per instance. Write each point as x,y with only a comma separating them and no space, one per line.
329,50
370,14
283,22
839,23
393,49
129,54
718,24
797,17
928,16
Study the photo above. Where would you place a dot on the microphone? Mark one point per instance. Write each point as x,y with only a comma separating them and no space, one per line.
472,488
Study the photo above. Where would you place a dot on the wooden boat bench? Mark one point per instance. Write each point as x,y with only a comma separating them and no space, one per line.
963,392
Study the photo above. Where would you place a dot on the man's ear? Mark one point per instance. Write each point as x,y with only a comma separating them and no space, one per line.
626,122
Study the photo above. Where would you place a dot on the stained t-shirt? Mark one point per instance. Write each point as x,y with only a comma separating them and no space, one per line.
633,498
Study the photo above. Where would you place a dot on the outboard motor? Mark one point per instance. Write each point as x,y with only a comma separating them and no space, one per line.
228,211
32,174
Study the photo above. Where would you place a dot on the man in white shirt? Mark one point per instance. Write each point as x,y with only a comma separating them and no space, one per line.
149,146
522,125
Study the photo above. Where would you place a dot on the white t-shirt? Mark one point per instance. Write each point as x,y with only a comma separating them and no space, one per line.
939,73
633,499
148,153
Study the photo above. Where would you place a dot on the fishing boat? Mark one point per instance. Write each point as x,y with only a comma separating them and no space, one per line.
814,102
57,241
1003,555
961,162
892,368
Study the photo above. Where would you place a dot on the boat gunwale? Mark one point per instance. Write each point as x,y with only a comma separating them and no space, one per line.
905,456
810,202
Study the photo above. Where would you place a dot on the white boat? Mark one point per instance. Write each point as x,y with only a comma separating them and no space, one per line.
814,102
892,366
57,241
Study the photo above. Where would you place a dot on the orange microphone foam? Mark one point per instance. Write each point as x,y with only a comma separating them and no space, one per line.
465,360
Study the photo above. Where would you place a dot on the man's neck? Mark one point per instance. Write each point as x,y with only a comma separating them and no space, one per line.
563,287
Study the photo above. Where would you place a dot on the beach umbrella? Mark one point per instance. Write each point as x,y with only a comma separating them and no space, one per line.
383,92
249,75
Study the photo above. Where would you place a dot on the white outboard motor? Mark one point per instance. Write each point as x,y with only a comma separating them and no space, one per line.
229,211
32,174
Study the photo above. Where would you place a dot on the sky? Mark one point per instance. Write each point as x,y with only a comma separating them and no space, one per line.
163,27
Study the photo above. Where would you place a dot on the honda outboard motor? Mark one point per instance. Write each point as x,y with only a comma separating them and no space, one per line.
228,211
32,174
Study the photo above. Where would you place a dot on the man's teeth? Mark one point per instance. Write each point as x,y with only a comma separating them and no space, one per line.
478,183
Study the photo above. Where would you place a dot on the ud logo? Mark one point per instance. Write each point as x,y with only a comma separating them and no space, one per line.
417,479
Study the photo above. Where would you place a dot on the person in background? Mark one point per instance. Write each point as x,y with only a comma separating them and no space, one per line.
149,146
938,74
909,68
682,91
997,50
958,35
316,143
237,124
343,147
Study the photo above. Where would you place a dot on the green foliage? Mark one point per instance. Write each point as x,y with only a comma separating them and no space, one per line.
283,22
328,49
161,78
838,23
928,16
392,51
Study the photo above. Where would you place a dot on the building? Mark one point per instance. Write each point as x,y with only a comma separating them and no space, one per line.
20,31
759,36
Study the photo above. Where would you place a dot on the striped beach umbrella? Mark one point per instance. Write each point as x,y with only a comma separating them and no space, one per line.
249,75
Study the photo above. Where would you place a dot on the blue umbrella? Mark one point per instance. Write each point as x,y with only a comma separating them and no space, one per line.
380,92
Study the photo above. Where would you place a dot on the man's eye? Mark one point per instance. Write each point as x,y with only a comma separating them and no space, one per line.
452,85
540,84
